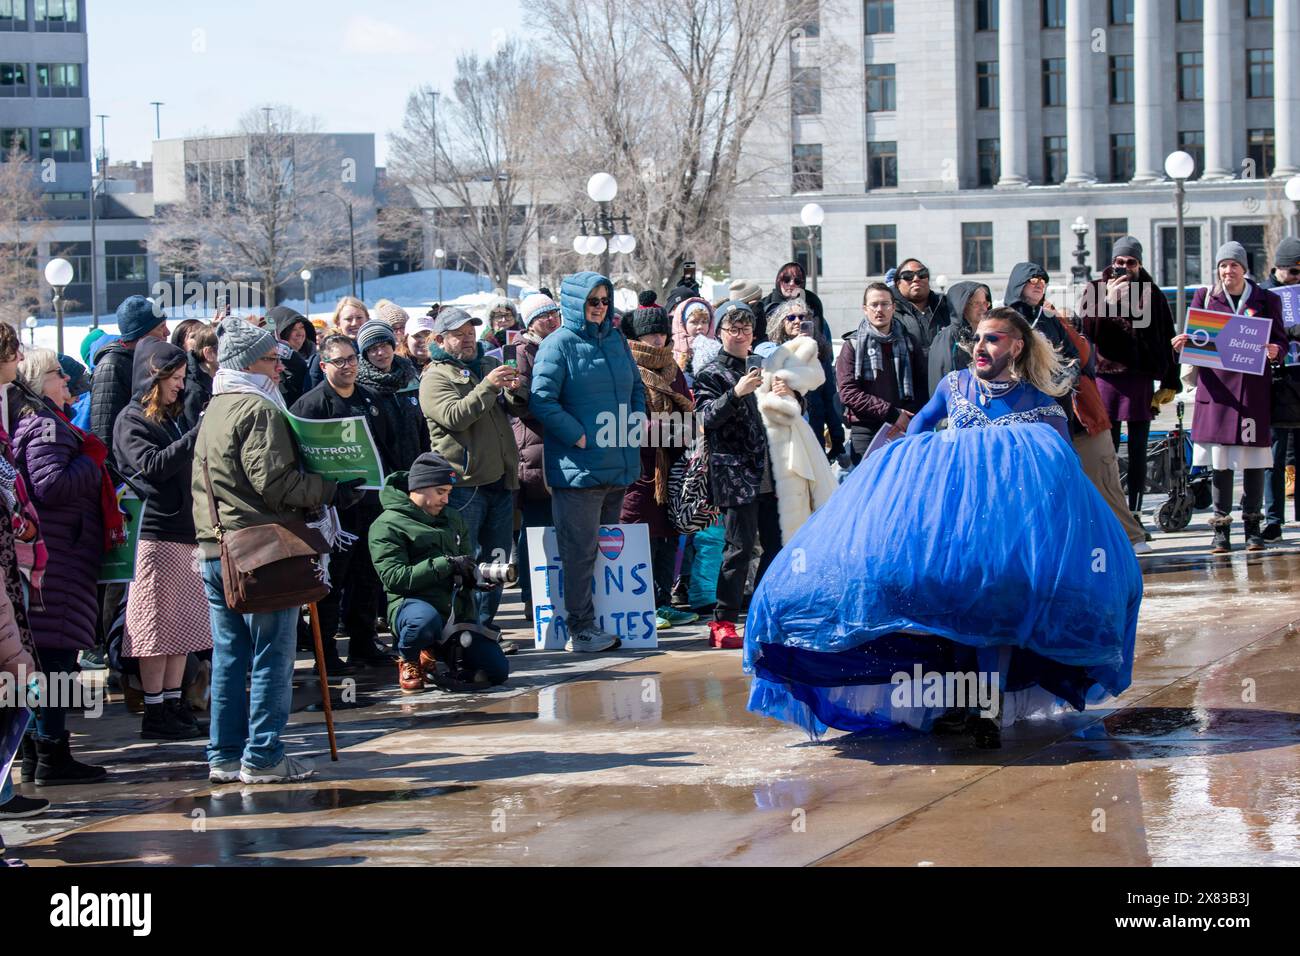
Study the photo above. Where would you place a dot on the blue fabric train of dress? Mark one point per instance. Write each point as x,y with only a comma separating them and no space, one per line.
984,541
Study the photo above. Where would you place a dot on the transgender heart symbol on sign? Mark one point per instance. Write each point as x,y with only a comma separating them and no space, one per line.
611,542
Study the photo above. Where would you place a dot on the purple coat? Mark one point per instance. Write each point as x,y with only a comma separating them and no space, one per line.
528,430
65,488
1226,400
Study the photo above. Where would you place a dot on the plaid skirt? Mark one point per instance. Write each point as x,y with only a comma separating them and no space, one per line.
166,605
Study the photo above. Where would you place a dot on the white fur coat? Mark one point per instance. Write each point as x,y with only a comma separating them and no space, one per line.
802,476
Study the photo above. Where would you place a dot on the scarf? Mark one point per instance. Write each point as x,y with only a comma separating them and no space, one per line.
475,365
868,357
660,398
227,381
97,451
398,376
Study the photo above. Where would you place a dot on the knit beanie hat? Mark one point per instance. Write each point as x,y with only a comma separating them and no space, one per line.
373,333
743,290
1127,246
1232,250
1288,253
678,295
93,336
430,470
240,344
648,318
391,313
136,318
535,306
78,383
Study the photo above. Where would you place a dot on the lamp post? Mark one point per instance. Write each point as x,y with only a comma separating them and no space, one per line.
305,275
1293,194
58,273
597,235
352,236
30,322
1178,166
438,256
1080,271
813,216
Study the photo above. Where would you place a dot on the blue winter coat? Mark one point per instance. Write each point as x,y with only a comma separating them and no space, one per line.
582,375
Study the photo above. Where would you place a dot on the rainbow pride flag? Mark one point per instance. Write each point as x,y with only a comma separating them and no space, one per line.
1204,328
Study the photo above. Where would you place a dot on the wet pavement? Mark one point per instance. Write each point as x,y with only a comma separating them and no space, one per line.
651,758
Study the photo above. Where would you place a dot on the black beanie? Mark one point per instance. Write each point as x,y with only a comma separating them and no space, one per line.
649,317
678,294
430,470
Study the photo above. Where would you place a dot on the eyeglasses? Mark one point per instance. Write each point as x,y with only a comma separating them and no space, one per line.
910,275
502,315
342,362
603,301
1125,263
736,329
792,277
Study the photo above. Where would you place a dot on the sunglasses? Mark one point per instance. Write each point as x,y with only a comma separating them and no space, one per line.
603,301
908,275
1125,263
792,278
1293,272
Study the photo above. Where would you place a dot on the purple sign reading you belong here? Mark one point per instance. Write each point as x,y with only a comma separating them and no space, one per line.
1243,344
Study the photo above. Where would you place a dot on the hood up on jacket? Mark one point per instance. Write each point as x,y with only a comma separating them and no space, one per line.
154,359
501,302
1021,273
680,341
959,296
284,318
574,292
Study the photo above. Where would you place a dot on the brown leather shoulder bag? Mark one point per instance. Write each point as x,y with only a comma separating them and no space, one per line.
269,567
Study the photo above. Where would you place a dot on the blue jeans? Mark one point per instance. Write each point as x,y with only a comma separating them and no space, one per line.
247,725
579,513
418,625
490,515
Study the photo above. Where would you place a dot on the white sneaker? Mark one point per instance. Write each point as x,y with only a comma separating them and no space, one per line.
287,770
224,771
1142,548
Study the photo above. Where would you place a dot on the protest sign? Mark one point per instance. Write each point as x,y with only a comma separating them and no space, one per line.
1230,343
118,566
1290,296
339,449
622,583
13,724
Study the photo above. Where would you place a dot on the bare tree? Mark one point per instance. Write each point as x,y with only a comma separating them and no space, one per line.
663,94
23,224
263,203
477,167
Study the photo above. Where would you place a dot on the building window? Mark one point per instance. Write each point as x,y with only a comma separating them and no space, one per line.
65,197
126,261
1169,256
989,153
1259,147
1108,232
56,16
880,88
13,79
799,241
1121,78
60,144
1121,12
1251,235
986,14
986,84
13,15
812,17
1045,243
78,255
878,16
1192,142
976,247
1259,73
1054,81
12,138
1189,11
1123,157
1191,76
806,91
807,167
1054,160
1053,14
1259,8
58,79
882,249
882,165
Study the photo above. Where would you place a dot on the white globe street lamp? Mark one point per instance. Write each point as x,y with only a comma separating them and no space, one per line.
813,216
438,255
1179,166
305,275
59,273
30,322
602,187
595,245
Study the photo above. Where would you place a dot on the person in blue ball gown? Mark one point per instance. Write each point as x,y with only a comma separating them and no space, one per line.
959,580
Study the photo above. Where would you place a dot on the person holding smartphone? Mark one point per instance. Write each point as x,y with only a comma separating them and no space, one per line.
740,472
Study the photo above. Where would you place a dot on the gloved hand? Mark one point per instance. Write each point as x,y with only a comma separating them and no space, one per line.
348,493
1162,397
465,568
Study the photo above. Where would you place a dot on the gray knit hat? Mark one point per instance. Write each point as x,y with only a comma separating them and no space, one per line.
373,333
1288,253
744,290
240,344
1232,250
1127,246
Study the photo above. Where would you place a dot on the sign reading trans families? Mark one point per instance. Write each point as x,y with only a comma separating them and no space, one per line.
118,566
1229,343
1290,296
339,449
623,585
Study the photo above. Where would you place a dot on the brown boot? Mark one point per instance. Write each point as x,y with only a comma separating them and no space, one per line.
1222,540
409,676
1290,481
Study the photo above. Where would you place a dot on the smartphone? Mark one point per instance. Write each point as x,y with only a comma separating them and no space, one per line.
805,327
754,362
688,272
509,355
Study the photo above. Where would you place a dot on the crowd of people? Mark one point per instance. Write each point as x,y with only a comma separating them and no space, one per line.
488,428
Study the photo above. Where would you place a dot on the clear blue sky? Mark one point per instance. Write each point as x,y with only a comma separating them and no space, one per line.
350,63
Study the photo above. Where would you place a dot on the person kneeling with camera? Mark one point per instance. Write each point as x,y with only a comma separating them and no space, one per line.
418,548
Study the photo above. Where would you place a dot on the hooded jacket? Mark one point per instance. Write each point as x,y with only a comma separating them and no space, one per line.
1123,345
679,339
585,383
489,337
110,390
156,456
774,298
467,418
297,366
410,550
198,389
946,353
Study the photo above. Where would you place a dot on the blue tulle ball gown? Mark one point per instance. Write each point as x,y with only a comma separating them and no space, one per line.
940,553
